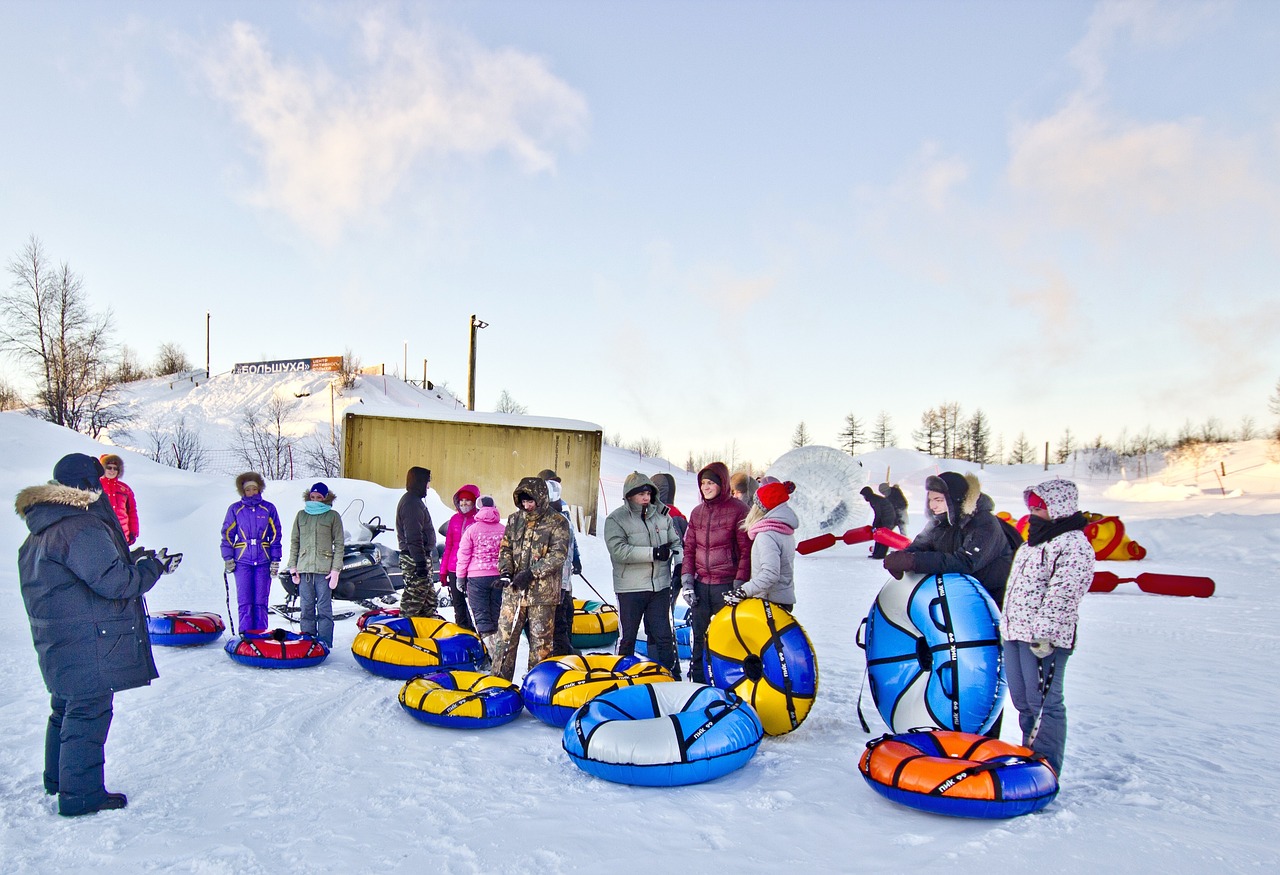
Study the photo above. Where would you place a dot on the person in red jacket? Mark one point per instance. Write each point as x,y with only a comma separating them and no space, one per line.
120,496
717,557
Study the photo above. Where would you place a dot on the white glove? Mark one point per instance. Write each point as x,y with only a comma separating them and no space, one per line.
1041,648
690,597
333,579
168,561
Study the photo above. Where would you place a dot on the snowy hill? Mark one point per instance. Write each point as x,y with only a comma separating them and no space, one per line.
236,770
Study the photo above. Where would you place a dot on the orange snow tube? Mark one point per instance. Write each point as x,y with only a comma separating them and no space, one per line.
1106,534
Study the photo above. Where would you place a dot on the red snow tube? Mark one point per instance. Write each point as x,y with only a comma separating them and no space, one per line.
184,628
277,649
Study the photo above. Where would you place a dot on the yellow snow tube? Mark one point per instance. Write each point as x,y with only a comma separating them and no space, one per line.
406,646
1106,534
595,624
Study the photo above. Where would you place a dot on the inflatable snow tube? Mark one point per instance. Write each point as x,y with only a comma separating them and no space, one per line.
1107,536
277,649
461,699
933,654
684,634
958,773
377,615
595,624
556,687
184,628
758,650
663,735
407,646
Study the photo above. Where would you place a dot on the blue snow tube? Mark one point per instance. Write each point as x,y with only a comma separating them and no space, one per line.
184,628
560,685
277,649
933,654
663,735
461,699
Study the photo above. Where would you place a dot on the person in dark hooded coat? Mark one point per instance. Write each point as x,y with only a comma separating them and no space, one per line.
883,516
83,597
963,536
667,495
417,540
898,499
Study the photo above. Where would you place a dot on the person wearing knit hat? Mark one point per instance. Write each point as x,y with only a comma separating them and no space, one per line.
315,561
963,536
464,503
642,541
83,596
119,495
771,525
251,549
717,557
417,539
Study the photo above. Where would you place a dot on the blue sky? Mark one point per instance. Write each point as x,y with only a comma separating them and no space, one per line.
697,222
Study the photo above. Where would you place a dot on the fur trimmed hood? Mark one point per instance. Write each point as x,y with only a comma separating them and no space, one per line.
328,499
244,478
963,492
53,493
112,459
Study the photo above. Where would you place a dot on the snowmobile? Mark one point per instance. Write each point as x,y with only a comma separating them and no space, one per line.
370,574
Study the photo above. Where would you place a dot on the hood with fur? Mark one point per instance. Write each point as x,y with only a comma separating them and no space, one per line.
244,478
963,492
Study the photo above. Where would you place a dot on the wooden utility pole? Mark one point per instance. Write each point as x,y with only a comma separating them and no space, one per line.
206,344
476,325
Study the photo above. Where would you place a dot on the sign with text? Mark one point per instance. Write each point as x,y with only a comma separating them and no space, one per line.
284,366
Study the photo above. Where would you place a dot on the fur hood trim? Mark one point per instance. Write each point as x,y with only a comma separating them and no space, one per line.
53,492
244,478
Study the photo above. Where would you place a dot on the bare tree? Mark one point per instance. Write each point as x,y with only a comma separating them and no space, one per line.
128,367
347,374
45,322
10,399
320,458
171,359
262,443
1273,403
178,446
800,437
645,446
1248,428
853,436
507,404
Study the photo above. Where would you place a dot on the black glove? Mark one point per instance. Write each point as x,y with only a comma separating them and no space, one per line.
169,562
139,553
522,580
500,582
899,563
735,595
577,566
662,553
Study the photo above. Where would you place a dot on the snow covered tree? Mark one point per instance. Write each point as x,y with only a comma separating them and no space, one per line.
853,436
882,432
800,438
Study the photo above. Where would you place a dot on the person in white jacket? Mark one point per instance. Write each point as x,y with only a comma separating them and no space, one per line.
771,525
1050,575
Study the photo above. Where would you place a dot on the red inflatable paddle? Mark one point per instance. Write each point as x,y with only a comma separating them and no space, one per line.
822,542
1156,584
890,538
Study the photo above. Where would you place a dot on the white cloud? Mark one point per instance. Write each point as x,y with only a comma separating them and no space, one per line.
334,148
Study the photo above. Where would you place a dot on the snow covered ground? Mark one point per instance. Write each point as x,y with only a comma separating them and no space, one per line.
1171,761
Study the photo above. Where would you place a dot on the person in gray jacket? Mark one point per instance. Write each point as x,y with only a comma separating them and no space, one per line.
642,541
315,561
83,596
771,524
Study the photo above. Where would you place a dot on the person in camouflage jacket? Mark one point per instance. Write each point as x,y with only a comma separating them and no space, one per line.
535,546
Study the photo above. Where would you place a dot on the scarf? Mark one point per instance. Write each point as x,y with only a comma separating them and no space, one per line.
768,525
1040,530
315,508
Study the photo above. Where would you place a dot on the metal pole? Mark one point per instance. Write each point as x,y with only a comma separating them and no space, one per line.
206,344
405,373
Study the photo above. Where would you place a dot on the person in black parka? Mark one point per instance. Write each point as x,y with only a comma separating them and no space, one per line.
898,499
883,516
83,597
963,536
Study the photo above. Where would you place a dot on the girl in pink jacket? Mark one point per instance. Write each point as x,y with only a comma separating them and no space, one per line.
477,569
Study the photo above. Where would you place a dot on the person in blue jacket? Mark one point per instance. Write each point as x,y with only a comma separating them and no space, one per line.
251,549
83,596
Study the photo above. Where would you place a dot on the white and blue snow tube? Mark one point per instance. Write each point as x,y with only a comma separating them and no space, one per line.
683,631
663,735
933,654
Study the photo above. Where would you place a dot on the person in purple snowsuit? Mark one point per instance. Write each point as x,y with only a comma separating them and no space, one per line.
251,549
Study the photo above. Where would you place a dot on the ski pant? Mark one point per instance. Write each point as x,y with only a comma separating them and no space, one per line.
655,609
74,751
419,596
1024,673
536,621
316,602
561,637
485,602
458,594
253,587
879,551
710,600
